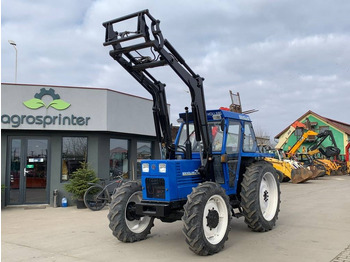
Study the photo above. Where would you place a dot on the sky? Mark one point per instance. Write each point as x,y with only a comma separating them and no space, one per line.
283,57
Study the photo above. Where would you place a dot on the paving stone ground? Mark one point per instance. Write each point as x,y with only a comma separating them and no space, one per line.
313,226
344,256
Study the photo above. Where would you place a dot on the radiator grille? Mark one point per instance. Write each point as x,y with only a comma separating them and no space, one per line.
155,188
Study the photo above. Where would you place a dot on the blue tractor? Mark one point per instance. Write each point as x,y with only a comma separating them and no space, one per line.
214,170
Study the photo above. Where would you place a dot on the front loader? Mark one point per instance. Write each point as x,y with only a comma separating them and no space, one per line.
214,170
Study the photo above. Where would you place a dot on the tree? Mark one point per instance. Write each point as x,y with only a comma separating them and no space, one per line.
80,180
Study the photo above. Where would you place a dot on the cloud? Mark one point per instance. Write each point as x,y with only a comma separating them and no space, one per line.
282,57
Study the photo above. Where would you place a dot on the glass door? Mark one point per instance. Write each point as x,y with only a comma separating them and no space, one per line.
15,171
28,171
35,171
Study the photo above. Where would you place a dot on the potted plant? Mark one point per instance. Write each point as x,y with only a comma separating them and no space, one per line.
79,183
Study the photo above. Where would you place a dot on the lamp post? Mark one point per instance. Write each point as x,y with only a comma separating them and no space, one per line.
14,45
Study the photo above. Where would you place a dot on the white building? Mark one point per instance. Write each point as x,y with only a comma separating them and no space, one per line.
48,130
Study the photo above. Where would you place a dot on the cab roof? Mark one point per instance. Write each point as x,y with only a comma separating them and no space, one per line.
218,115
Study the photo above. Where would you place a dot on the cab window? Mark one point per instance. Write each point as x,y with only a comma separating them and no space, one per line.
216,133
233,134
249,143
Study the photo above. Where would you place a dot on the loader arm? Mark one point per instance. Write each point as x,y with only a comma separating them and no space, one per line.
128,50
330,150
300,141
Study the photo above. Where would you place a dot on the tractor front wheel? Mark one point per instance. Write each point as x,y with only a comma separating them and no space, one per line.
126,225
206,219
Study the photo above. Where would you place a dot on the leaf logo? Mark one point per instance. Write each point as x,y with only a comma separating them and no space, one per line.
59,104
36,102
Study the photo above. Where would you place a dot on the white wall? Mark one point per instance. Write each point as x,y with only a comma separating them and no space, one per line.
90,109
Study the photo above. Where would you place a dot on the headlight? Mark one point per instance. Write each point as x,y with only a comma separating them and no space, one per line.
145,167
162,168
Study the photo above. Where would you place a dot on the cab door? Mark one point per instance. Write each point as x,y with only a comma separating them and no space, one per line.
231,157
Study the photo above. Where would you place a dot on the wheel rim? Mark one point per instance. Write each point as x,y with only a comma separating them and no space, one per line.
268,196
215,219
135,223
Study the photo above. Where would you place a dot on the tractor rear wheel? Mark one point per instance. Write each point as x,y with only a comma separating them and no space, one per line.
126,225
206,219
260,196
285,179
280,176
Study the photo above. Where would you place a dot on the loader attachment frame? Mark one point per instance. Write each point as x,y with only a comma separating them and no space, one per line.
128,54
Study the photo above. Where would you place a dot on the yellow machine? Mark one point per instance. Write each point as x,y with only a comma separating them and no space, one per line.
332,167
298,144
319,166
318,169
289,169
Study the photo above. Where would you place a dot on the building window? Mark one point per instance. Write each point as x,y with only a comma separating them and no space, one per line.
118,157
323,128
299,131
313,125
143,152
74,151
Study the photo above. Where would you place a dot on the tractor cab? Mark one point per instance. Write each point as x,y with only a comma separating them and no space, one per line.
226,129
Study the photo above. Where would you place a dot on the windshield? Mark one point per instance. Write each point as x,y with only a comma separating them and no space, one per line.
217,136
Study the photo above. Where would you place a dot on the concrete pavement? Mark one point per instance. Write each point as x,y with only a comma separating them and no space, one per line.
314,225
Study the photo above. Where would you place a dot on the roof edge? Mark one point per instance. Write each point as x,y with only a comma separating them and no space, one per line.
338,124
80,87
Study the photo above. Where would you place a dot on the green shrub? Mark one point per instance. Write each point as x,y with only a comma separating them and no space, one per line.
79,180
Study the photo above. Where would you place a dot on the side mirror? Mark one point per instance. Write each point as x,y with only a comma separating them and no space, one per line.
222,124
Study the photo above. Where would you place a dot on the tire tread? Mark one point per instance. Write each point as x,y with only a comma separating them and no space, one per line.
192,219
250,197
116,214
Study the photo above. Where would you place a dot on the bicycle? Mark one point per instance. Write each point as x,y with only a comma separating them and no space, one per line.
98,195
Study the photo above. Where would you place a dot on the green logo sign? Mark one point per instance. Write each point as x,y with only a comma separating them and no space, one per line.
37,102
